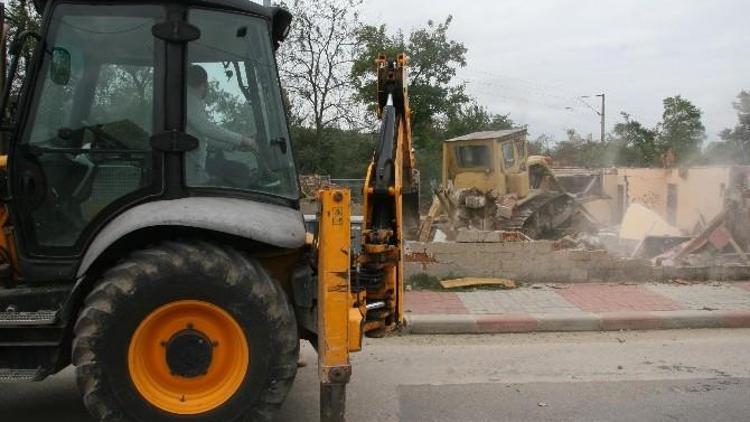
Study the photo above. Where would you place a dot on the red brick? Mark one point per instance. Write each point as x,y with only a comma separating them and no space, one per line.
617,298
421,303
506,323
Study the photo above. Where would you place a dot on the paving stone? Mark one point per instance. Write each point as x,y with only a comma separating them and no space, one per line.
522,301
706,296
617,298
434,303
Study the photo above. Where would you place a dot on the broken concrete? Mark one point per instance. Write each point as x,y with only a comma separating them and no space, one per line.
640,222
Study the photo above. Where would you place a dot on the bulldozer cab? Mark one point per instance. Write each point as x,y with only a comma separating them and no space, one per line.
129,103
487,161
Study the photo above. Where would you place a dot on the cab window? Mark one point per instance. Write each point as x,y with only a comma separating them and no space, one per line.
90,130
472,156
509,155
234,108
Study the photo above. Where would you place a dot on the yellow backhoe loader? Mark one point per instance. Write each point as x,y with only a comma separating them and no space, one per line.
151,234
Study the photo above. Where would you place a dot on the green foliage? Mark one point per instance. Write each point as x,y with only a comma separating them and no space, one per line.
22,16
681,130
635,143
441,108
433,62
542,145
472,117
578,151
347,153
423,281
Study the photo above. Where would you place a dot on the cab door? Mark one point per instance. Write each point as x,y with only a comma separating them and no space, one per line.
82,150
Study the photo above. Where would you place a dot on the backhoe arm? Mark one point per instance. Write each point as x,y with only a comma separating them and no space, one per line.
363,294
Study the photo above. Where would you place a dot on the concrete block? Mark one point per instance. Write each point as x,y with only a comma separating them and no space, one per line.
579,256
689,319
686,273
634,320
542,246
735,272
441,324
468,236
578,274
506,323
568,322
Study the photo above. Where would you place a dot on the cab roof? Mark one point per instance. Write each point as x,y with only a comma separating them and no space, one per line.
239,5
497,135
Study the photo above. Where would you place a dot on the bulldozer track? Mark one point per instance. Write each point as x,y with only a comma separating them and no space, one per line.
527,219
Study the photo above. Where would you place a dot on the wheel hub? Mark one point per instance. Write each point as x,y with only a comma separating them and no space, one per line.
189,353
188,357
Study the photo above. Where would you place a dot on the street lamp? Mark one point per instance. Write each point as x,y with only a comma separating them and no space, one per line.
601,113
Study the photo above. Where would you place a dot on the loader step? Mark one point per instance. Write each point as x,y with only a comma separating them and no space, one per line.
8,376
13,319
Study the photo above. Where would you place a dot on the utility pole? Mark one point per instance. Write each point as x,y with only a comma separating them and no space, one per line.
603,115
600,113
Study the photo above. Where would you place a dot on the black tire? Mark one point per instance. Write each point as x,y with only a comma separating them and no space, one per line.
175,271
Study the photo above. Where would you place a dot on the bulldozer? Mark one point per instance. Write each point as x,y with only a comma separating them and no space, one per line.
151,229
489,183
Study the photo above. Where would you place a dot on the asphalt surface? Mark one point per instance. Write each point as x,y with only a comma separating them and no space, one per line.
681,375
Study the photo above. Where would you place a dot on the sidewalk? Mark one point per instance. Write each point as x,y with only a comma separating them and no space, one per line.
580,307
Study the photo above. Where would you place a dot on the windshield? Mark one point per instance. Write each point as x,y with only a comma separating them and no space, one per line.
472,156
91,122
234,108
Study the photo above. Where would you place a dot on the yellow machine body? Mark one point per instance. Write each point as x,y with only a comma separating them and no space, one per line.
488,161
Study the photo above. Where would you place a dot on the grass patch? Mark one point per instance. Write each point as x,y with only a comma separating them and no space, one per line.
423,281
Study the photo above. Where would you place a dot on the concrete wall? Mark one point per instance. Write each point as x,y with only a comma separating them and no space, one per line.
700,192
543,262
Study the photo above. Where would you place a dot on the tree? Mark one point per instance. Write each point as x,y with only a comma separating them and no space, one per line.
315,64
440,106
681,131
736,141
541,145
433,62
472,117
22,16
636,144
578,151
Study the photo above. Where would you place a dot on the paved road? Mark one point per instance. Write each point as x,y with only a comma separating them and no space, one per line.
685,375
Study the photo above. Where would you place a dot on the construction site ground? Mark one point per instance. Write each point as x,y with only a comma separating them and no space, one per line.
580,307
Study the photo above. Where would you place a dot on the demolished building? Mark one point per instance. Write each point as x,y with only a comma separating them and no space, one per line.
688,223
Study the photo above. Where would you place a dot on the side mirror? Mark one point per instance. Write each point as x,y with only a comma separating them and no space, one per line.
281,24
59,70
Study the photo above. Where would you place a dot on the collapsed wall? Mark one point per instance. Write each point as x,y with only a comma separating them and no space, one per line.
546,262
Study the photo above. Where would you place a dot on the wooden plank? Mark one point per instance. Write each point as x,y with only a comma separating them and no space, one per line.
425,229
470,282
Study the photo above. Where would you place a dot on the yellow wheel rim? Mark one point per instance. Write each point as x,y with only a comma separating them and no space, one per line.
188,357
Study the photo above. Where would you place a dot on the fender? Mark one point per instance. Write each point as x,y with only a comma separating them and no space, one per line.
272,224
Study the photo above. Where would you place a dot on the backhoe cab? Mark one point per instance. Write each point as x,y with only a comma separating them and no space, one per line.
151,227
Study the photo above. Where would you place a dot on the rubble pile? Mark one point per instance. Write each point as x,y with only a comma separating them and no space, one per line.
311,184
649,229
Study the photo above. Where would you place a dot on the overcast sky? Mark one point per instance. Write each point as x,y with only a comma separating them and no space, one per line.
532,59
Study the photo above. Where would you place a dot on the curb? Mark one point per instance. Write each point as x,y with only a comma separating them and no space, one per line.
578,321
